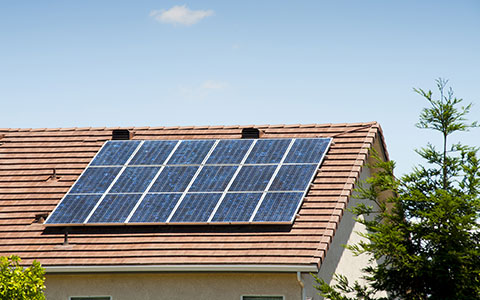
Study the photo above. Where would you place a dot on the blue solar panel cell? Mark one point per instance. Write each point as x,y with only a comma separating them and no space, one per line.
73,209
173,179
95,180
268,151
278,207
155,208
213,179
253,178
196,208
307,151
293,178
114,208
237,207
191,152
134,180
229,152
153,153
115,153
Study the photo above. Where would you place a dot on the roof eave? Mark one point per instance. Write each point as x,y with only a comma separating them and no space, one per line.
181,268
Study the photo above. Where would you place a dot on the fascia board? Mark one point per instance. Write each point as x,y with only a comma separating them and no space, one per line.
181,268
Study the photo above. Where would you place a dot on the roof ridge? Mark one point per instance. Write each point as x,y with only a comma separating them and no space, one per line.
191,127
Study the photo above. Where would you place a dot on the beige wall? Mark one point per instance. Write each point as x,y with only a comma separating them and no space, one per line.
172,286
340,260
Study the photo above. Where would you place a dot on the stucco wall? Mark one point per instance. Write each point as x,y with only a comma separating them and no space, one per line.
172,286
338,259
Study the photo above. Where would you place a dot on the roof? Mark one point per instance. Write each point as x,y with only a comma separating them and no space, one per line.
38,166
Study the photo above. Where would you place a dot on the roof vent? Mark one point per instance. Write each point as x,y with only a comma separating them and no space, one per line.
121,134
250,133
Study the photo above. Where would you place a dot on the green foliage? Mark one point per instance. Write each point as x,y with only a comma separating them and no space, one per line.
18,283
424,236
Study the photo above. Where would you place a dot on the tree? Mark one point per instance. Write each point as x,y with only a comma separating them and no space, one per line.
18,283
424,238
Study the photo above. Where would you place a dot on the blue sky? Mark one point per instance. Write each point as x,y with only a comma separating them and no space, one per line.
140,63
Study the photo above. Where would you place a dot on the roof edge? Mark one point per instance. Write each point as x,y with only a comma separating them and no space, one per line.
180,268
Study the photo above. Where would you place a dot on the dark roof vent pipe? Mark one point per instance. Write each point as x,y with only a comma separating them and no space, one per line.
121,134
250,133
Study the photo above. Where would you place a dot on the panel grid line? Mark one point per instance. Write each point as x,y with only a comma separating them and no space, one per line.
113,182
152,182
192,180
271,180
231,180
73,185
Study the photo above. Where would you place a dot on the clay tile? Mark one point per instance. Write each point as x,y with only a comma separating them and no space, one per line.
97,128
308,126
231,126
67,129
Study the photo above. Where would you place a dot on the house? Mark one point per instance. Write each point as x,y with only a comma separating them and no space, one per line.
238,261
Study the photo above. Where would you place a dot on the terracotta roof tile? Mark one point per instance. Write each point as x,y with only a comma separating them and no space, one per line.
28,157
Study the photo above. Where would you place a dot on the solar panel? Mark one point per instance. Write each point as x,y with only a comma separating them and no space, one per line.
191,152
193,181
293,178
174,179
237,207
95,180
253,178
155,208
268,151
114,208
196,208
115,153
134,180
213,179
307,150
229,152
73,209
277,207
153,153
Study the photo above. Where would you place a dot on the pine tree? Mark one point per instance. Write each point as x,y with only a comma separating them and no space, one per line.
424,238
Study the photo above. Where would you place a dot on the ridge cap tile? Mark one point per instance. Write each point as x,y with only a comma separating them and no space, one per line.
231,126
313,125
98,128
67,129
82,128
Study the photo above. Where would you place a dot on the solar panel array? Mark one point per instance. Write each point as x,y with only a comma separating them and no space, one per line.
193,181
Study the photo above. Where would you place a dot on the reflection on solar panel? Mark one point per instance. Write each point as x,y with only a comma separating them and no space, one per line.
193,181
